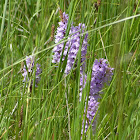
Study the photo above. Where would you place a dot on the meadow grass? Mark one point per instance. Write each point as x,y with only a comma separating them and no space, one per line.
52,110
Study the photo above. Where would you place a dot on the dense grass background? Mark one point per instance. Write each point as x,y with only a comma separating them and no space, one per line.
52,110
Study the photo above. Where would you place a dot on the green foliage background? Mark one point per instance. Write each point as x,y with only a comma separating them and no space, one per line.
52,110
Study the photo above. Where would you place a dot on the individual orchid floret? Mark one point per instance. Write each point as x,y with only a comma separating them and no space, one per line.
29,68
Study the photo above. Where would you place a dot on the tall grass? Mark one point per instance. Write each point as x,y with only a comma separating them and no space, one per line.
52,110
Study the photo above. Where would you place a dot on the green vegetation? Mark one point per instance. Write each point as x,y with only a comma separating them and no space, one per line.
52,110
